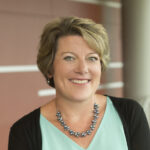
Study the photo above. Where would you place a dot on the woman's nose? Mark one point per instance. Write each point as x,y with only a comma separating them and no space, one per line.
82,67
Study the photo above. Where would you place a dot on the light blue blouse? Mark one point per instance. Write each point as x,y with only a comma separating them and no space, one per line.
109,136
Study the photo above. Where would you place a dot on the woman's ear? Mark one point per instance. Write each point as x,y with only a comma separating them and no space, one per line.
49,76
48,79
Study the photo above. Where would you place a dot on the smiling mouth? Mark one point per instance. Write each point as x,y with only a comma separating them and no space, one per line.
80,81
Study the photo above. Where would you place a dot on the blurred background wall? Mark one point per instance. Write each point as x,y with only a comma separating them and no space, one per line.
22,86
136,51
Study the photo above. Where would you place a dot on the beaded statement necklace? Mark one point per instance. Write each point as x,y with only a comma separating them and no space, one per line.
85,133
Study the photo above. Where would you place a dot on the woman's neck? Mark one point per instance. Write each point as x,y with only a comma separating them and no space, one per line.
75,110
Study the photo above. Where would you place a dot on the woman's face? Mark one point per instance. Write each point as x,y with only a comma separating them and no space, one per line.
77,69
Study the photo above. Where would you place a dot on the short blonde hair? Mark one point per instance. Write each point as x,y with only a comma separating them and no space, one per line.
94,34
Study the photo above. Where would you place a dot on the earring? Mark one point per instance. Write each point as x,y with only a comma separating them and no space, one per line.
48,81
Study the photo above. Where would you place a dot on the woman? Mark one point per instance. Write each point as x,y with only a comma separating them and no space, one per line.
73,51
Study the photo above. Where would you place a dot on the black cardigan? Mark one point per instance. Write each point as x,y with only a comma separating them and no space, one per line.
25,134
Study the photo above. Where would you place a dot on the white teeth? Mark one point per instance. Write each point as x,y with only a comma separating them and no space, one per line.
79,81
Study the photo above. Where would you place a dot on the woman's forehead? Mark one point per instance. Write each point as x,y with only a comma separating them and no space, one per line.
73,43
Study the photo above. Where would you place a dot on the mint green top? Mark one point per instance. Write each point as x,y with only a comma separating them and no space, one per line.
109,136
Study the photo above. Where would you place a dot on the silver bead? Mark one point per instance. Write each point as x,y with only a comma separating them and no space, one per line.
88,132
83,134
76,134
66,128
71,132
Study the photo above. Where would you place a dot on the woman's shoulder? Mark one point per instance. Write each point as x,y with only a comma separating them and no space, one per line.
124,102
127,107
25,133
27,120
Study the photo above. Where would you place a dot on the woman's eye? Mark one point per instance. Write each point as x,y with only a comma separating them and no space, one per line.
93,59
68,58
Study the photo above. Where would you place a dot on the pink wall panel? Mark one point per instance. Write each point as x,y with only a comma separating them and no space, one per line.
30,7
116,91
19,38
112,75
66,7
111,19
19,94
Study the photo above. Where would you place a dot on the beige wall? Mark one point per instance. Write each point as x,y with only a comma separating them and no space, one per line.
21,23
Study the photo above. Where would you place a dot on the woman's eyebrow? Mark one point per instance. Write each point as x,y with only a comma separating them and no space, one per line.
72,53
67,53
93,53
